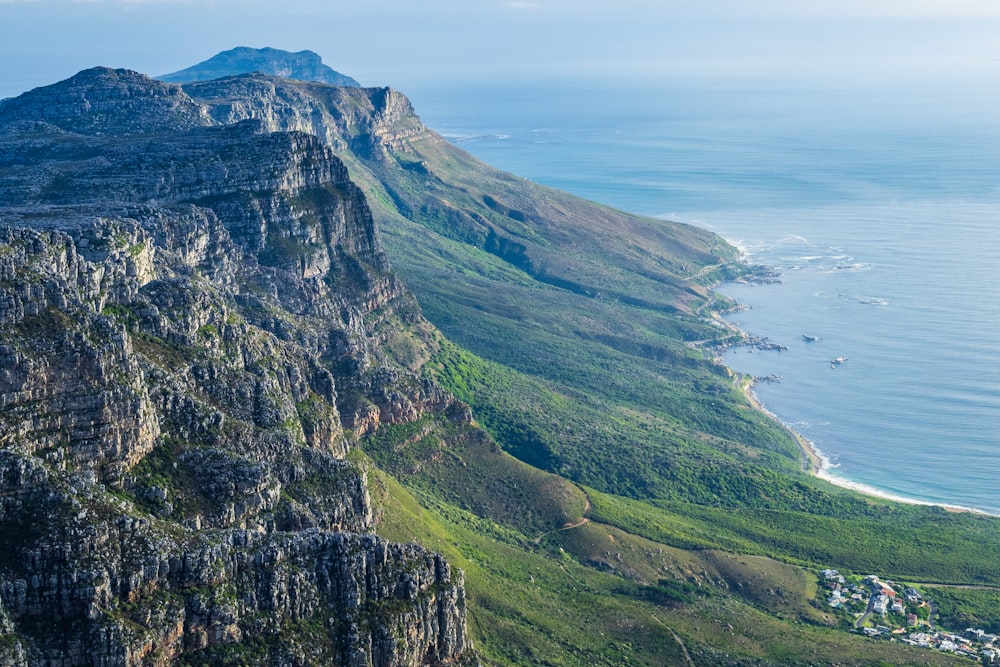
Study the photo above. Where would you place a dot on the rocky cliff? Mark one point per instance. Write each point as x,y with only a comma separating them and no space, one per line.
196,322
417,177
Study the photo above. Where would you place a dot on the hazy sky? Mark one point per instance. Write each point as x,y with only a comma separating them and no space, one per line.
407,43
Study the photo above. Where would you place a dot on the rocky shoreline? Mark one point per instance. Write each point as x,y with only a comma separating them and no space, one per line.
813,460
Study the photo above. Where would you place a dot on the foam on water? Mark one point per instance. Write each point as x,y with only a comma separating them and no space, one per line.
912,413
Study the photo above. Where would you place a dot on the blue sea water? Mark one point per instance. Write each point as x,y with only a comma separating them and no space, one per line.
881,212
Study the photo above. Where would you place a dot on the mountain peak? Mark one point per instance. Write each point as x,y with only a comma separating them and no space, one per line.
303,65
100,100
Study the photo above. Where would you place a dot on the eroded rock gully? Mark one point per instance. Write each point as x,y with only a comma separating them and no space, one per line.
192,333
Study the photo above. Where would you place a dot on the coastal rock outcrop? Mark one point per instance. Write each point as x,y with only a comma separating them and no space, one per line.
196,323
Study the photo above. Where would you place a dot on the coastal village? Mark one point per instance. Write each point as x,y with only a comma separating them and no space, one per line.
885,610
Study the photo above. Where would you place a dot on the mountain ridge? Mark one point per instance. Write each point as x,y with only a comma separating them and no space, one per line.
197,324
305,65
258,392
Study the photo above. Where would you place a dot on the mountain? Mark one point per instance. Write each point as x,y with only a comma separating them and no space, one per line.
303,65
228,422
197,324
598,306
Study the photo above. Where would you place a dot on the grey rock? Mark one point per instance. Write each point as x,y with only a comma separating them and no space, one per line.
192,323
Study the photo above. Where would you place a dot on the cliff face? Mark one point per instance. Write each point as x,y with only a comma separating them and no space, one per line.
367,121
195,323
435,184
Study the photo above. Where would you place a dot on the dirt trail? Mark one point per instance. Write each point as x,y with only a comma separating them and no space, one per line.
677,638
582,521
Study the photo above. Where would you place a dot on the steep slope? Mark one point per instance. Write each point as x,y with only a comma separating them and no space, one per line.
197,323
597,310
554,237
213,387
605,386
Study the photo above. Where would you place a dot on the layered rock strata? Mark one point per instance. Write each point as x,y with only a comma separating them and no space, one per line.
195,324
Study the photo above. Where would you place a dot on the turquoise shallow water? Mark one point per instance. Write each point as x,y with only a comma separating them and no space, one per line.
885,226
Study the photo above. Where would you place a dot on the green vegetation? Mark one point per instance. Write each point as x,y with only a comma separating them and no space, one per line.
595,595
578,336
626,505
657,566
457,465
904,542
171,487
961,608
660,451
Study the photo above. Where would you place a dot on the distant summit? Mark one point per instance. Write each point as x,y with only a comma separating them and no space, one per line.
304,66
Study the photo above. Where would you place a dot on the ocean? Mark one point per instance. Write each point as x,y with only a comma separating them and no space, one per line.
878,207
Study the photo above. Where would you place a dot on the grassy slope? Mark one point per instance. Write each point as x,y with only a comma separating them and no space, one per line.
582,324
594,594
606,391
574,327
601,387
